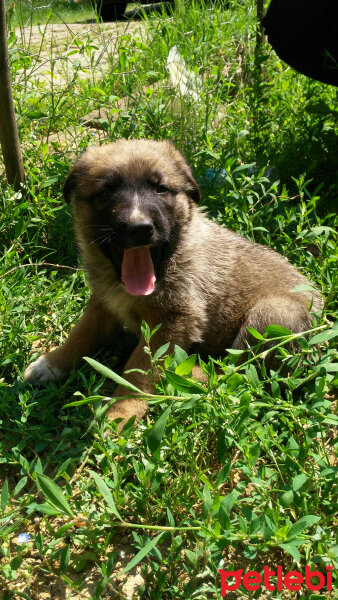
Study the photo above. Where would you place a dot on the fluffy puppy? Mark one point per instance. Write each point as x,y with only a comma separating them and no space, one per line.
151,254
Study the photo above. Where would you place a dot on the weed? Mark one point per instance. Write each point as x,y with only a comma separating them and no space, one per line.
239,473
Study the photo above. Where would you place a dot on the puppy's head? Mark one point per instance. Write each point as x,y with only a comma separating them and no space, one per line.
131,200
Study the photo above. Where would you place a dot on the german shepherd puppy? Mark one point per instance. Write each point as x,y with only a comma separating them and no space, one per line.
151,254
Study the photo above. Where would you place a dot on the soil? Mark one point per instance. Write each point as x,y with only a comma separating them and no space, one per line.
56,49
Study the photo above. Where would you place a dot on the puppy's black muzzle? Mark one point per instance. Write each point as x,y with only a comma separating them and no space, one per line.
138,234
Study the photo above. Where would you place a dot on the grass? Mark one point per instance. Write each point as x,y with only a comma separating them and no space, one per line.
25,13
38,12
240,474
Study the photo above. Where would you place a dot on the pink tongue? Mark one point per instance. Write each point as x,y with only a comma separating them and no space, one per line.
138,271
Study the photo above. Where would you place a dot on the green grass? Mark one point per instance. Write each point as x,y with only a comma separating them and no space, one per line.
237,475
38,12
24,13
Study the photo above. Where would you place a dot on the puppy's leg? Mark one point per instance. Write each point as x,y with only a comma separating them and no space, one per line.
283,310
129,407
133,406
94,328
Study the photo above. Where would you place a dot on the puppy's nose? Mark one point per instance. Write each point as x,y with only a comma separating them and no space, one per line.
139,233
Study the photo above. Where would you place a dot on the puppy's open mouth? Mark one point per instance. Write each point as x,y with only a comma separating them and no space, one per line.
137,272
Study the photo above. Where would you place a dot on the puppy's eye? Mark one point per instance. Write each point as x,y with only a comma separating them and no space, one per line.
162,189
103,200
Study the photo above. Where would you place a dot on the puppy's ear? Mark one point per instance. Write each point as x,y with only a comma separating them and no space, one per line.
71,183
193,191
191,187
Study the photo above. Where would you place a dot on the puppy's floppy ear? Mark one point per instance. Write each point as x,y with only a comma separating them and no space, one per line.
71,183
191,187
193,190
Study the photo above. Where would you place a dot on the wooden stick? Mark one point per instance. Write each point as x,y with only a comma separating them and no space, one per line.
260,15
9,138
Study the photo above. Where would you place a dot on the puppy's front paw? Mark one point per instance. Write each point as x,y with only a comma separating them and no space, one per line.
125,409
40,371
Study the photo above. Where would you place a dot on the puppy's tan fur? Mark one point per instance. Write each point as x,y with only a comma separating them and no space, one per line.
213,283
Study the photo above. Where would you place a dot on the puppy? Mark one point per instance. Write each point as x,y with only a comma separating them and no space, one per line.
151,254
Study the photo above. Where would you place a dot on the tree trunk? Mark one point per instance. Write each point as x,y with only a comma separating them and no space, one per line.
9,138
260,15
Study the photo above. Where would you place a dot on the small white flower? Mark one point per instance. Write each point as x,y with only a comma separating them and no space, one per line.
23,538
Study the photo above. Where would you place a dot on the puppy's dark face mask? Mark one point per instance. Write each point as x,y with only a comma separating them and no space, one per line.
137,230
132,210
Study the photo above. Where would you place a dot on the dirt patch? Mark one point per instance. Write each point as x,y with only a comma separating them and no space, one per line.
33,579
56,51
